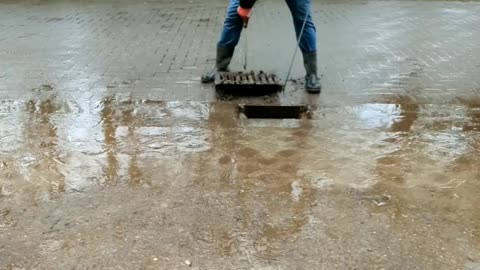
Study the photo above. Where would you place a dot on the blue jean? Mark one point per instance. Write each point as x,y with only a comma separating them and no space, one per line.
232,28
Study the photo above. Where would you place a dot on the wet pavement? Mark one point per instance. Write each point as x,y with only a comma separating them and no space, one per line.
114,156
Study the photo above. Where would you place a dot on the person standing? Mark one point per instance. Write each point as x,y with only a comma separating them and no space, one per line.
238,14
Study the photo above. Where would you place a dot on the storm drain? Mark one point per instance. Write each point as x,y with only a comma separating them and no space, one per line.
275,112
247,83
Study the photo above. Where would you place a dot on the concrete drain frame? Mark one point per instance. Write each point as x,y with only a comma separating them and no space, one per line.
275,111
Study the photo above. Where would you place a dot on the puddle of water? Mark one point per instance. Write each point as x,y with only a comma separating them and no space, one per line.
271,168
268,172
136,131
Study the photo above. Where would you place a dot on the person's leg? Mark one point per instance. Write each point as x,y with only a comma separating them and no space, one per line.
229,38
300,9
308,41
232,27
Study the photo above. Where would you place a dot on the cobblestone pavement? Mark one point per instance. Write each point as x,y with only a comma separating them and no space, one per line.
114,156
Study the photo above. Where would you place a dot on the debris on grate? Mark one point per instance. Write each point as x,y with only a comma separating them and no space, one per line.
275,111
248,83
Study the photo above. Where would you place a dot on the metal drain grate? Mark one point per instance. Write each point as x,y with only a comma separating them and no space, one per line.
247,83
275,112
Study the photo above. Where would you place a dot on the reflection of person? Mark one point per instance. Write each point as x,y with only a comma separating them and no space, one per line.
260,179
238,14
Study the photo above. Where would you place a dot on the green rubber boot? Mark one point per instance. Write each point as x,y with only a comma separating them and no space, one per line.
312,81
224,56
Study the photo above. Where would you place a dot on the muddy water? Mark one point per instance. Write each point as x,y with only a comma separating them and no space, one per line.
111,139
256,189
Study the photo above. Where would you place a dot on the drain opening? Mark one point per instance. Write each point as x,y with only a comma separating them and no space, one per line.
275,112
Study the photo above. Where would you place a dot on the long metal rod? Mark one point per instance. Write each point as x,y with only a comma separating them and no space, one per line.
246,44
295,52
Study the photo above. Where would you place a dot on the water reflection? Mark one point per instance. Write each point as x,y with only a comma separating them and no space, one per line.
109,127
263,179
430,166
408,114
142,141
391,166
473,121
377,115
40,144
132,122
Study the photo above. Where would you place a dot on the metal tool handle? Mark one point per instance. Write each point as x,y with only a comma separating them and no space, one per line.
295,52
245,45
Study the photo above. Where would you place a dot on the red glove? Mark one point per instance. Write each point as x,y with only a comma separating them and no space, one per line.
245,14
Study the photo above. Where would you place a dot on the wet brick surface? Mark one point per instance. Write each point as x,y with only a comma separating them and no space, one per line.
114,156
